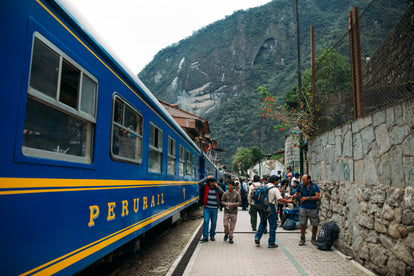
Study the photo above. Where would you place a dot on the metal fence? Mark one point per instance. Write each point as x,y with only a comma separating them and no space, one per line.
385,52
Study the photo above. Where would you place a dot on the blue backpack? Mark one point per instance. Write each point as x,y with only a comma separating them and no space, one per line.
260,198
289,224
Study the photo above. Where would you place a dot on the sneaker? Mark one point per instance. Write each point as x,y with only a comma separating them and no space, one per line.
226,237
313,241
275,245
212,239
254,229
204,240
256,241
302,242
231,241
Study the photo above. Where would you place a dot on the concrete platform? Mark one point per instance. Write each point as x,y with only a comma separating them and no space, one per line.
244,257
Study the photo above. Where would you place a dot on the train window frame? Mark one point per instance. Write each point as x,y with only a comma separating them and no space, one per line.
172,156
181,161
188,163
155,148
136,134
38,102
195,166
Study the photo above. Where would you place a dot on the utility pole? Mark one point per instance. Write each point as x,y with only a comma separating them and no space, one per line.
299,84
260,156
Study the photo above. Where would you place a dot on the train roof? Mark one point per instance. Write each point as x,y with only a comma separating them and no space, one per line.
81,25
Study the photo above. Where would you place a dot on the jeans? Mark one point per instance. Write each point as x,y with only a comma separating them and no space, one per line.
209,213
272,225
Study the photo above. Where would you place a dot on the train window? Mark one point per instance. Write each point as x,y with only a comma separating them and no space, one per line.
126,132
55,127
155,149
172,156
188,161
182,160
195,165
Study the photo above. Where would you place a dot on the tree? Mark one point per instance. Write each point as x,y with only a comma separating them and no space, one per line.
245,158
296,111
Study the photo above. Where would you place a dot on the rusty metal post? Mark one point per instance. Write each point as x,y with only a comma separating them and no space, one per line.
351,59
357,62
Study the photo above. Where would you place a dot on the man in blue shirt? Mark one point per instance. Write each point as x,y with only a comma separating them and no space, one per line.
308,194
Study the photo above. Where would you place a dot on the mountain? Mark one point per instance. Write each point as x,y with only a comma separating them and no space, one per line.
215,72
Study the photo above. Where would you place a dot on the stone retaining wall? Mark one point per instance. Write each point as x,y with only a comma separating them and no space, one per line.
365,170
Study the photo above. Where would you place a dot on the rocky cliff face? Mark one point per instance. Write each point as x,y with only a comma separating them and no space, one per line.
215,72
211,67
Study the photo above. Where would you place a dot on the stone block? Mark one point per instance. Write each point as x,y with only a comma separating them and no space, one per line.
380,227
408,112
355,127
407,217
347,145
384,175
378,118
329,154
398,114
389,117
408,163
364,122
393,231
359,171
366,221
338,131
397,175
398,215
395,196
369,235
410,240
386,241
402,252
364,251
367,135
398,134
357,147
403,231
408,198
370,166
396,267
379,194
378,254
338,146
331,137
408,145
382,138
387,212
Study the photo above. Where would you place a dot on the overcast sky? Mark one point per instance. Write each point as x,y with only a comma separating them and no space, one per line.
135,30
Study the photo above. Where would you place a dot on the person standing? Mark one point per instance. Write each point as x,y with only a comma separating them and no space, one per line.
231,200
274,197
252,211
308,194
244,193
283,187
210,195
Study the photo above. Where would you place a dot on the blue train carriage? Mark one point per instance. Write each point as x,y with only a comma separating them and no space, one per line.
90,160
208,168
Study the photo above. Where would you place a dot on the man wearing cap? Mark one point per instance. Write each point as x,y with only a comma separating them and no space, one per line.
274,198
210,195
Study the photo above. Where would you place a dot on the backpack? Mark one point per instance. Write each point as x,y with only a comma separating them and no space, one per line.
260,198
327,236
289,224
